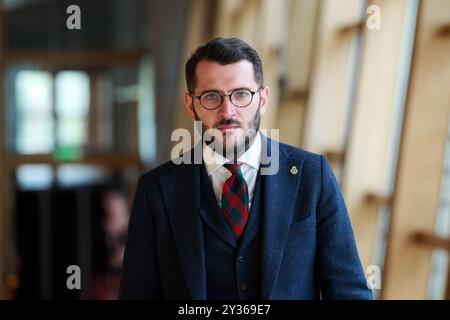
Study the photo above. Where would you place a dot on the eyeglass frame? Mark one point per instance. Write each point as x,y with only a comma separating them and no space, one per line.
225,95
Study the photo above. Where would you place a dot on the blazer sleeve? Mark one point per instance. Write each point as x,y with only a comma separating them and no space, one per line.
140,278
338,266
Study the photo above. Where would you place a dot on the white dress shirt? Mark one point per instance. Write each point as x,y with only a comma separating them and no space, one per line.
218,174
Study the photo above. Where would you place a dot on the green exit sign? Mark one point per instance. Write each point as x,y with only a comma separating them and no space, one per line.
67,153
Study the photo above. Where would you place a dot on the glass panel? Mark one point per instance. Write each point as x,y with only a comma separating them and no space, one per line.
33,94
440,260
33,91
146,111
71,131
72,94
34,176
72,106
73,175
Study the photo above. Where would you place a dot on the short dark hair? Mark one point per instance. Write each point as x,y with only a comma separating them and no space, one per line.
224,51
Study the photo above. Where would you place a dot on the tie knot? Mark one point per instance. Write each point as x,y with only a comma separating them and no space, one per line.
233,167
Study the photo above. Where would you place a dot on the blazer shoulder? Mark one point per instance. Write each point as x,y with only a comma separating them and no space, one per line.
177,166
299,153
158,171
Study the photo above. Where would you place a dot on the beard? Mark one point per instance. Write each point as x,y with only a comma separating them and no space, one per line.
227,146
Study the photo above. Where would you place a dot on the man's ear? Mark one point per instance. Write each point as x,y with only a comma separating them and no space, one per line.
264,99
189,103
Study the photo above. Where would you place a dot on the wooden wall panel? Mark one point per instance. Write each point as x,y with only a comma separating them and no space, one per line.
416,198
303,15
2,163
7,252
237,18
374,127
271,38
326,118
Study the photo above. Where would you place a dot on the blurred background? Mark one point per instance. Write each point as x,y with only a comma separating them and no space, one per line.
84,112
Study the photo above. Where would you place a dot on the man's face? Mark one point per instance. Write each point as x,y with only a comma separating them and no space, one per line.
233,123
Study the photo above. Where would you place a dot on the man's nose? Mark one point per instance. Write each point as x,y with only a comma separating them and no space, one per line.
227,108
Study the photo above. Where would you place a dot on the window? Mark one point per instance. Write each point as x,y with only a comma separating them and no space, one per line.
42,122
34,112
72,106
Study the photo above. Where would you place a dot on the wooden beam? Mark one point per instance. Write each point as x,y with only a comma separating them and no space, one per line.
335,157
378,200
420,168
357,26
3,175
73,58
297,94
8,258
431,240
114,160
444,30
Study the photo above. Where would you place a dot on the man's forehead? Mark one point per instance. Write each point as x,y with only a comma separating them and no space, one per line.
239,73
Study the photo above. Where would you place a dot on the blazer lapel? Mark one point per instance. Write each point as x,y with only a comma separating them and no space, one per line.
182,197
280,190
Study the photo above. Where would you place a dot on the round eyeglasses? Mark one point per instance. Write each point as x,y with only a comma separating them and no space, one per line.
240,98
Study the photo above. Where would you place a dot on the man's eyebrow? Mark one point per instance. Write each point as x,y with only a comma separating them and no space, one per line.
210,90
222,92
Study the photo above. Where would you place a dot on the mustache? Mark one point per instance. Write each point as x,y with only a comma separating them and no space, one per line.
225,122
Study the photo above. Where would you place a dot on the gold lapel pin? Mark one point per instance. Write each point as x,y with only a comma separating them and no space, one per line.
294,170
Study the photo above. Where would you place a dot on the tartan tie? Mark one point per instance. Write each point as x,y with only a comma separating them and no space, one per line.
235,201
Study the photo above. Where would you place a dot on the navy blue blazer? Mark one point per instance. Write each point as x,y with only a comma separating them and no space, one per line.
308,246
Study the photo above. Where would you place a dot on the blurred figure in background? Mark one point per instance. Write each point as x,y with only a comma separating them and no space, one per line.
113,229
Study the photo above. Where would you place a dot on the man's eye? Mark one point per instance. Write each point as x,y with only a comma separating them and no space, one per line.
241,94
211,96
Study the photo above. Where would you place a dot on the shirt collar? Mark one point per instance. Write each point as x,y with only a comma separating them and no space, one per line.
251,157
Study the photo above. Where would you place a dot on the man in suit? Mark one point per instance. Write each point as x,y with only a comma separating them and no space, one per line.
226,229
